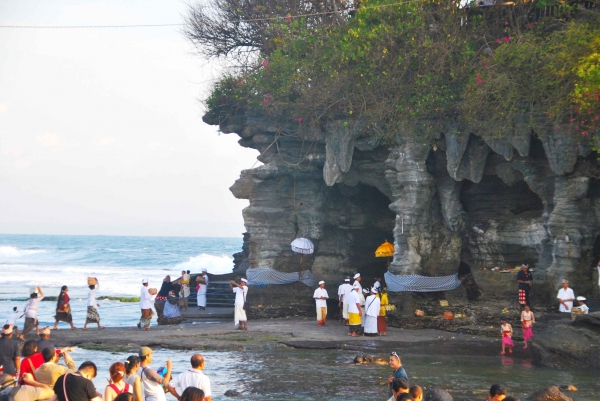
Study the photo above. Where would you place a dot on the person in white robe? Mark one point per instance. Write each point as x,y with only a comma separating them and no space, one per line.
239,313
565,297
344,296
201,287
321,297
372,304
365,292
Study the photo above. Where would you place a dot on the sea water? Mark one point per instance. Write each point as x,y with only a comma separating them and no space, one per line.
281,373
119,263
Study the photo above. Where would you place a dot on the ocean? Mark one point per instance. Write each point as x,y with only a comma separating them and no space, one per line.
119,263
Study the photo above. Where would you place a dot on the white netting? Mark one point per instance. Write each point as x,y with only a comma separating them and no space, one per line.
421,283
264,276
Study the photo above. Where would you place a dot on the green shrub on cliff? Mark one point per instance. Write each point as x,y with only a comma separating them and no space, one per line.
432,64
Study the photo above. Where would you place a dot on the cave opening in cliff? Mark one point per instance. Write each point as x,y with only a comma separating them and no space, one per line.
373,223
493,198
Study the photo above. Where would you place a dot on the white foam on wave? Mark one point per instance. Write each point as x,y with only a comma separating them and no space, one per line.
214,264
14,252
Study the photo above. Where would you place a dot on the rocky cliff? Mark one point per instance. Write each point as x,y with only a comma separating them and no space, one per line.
456,203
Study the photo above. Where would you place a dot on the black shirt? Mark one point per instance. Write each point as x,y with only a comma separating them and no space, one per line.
521,275
9,350
165,288
78,388
43,343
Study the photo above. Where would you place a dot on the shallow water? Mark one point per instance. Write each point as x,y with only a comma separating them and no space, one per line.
282,373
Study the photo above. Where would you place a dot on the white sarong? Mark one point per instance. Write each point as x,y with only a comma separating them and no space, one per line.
345,311
370,323
239,315
362,323
201,299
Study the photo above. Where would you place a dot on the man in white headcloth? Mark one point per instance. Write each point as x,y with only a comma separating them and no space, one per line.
371,313
321,298
354,311
343,296
357,280
201,288
565,297
582,306
240,291
146,299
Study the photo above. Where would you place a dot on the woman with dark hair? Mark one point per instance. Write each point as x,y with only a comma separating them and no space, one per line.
162,296
63,309
171,310
125,397
117,384
32,359
132,364
192,394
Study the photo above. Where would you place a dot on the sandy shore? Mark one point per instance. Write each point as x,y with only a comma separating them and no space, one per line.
293,332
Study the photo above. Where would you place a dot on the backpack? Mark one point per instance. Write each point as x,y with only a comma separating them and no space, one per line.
8,393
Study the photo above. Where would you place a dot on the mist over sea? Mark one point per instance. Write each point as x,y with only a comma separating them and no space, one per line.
119,263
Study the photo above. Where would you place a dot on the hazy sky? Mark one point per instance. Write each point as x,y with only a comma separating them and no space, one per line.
101,130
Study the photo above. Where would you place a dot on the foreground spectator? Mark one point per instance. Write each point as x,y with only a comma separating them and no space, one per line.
50,371
152,381
9,351
30,390
497,393
117,385
416,392
192,394
32,359
399,372
398,386
193,378
78,386
44,341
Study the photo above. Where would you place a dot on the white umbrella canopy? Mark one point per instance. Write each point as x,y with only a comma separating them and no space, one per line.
303,246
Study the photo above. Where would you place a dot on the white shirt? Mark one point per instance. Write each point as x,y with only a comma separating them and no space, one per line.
31,307
353,299
346,289
12,319
566,294
92,296
321,292
145,298
203,287
240,295
372,305
153,391
191,378
360,289
362,299
377,285
584,308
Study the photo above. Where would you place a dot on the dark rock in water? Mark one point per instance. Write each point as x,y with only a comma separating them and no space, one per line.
566,345
437,394
549,394
233,393
359,359
568,387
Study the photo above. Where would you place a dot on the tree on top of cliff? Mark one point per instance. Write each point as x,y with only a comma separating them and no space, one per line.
240,30
436,65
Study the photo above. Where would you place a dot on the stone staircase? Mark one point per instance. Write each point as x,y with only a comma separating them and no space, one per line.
219,295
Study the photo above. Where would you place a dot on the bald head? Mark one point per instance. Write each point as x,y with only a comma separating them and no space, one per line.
197,361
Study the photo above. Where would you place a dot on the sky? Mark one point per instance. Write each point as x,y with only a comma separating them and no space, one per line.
101,130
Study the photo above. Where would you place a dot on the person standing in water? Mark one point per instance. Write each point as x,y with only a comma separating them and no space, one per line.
30,310
527,320
63,309
507,333
92,313
201,288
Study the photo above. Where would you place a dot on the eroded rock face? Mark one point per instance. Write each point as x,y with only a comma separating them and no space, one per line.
458,201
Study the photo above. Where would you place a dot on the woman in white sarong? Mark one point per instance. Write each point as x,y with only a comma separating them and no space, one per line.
372,304
201,287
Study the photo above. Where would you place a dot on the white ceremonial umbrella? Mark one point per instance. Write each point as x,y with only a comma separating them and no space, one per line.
303,246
